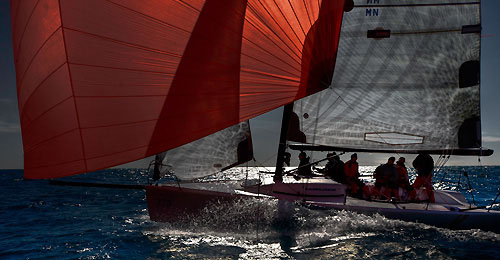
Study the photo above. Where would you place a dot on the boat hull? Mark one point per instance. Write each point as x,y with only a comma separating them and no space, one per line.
434,215
170,203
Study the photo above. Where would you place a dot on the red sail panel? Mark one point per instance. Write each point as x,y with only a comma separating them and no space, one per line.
105,82
283,42
204,95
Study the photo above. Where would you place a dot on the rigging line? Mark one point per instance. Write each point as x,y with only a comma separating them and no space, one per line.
444,161
359,115
262,164
438,161
442,178
494,200
316,121
218,172
327,109
479,161
305,165
470,187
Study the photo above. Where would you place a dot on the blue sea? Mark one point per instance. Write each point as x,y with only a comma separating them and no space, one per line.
43,221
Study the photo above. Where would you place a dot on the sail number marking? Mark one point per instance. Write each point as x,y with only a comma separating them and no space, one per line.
372,11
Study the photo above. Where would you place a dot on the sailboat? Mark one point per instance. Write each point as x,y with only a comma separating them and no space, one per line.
106,82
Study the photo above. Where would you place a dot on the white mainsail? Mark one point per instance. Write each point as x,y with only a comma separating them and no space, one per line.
407,77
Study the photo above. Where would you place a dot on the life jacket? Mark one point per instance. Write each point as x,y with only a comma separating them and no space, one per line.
351,169
386,175
402,176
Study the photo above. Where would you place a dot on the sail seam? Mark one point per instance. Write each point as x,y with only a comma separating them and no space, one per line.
180,116
150,17
126,96
192,7
270,75
281,28
117,68
275,34
287,22
38,86
280,86
264,93
307,12
294,57
72,88
35,146
26,25
298,21
57,164
137,46
21,81
45,112
272,55
133,45
267,101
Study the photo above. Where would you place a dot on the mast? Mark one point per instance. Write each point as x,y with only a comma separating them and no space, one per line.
287,111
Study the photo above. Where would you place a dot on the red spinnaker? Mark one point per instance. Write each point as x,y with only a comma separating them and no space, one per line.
105,82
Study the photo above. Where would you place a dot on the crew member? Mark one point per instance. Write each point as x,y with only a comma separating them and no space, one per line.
424,165
386,177
403,181
351,171
334,168
304,169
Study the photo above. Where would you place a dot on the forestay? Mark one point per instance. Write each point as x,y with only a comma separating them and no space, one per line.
407,77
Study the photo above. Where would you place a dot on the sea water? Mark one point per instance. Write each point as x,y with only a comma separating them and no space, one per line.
43,221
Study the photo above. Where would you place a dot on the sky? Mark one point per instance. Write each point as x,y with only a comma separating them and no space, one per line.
265,128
